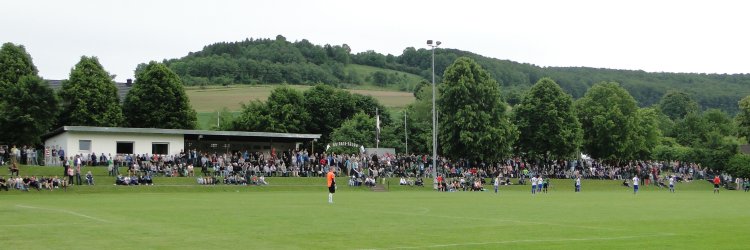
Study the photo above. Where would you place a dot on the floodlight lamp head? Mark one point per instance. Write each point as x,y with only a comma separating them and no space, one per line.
437,43
429,42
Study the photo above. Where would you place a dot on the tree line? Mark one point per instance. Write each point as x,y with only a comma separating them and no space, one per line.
301,62
29,107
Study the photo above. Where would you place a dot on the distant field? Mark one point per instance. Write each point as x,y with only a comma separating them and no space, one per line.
364,71
214,98
292,213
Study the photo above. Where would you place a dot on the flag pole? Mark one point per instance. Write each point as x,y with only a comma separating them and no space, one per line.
377,129
406,135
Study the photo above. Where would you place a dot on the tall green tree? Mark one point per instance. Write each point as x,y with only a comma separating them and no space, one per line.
360,129
158,100
677,105
696,128
254,117
370,105
15,63
89,96
646,135
743,118
418,123
692,130
607,114
328,108
739,165
473,121
29,109
546,122
286,109
28,106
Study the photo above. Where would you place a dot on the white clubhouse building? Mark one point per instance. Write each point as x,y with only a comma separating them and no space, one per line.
114,140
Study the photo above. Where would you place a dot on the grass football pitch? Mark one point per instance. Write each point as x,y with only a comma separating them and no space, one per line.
293,213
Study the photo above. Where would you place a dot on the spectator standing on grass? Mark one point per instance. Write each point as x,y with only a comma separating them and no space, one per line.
496,184
70,172
533,184
78,163
738,181
539,183
545,185
717,182
2,155
636,182
671,183
331,184
14,154
578,184
61,155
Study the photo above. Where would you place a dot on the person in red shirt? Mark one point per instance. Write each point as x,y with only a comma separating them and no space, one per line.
717,181
331,177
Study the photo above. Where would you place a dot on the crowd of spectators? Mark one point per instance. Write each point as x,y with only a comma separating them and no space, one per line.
27,183
251,168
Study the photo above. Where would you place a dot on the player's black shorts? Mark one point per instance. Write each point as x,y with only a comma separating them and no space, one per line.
716,185
332,189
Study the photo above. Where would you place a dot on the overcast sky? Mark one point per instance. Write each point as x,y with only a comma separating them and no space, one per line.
657,36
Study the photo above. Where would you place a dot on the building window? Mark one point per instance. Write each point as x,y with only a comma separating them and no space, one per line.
125,147
84,145
160,148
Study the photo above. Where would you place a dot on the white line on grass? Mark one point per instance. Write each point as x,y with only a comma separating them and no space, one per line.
43,224
528,241
64,211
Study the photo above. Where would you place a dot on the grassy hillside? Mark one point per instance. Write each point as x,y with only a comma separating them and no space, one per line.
365,72
207,101
302,62
213,98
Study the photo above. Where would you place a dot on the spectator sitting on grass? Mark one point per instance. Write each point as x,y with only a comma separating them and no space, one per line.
55,182
11,182
120,180
402,181
419,182
369,181
3,184
147,180
262,180
134,180
89,178
477,186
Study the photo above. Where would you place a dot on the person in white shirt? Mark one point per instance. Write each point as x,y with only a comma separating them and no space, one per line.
533,184
635,184
578,184
671,183
497,183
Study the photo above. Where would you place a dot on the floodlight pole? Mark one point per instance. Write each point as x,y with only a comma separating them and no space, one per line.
406,135
434,114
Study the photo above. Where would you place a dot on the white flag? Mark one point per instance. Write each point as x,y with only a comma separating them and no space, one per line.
377,123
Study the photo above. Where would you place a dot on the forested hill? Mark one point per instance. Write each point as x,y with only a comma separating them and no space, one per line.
302,62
